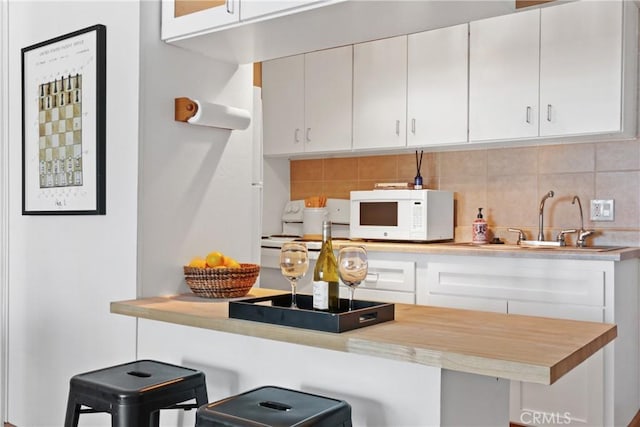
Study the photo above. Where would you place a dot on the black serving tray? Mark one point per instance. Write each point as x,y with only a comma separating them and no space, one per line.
276,309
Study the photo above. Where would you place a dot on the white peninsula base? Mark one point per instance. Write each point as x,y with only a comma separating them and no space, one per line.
381,392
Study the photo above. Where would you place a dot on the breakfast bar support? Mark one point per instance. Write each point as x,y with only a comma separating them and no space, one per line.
381,392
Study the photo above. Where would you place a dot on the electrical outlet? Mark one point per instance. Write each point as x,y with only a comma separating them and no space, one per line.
602,210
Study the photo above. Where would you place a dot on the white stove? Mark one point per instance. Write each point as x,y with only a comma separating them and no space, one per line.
292,230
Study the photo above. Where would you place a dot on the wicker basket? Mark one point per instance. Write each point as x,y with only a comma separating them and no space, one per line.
221,282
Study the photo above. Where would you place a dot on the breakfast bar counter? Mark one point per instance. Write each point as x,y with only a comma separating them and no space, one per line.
462,347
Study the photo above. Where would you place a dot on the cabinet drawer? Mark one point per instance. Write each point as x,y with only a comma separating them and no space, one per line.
390,275
364,294
468,303
504,281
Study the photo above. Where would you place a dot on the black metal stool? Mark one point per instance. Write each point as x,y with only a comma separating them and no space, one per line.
275,406
134,393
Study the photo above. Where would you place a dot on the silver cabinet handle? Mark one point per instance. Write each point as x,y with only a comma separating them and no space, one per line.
308,135
398,127
229,5
296,135
413,126
548,112
528,114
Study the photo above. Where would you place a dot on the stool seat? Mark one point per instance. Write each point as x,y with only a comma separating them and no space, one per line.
276,407
135,392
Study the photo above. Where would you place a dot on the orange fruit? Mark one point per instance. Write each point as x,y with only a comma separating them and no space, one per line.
215,259
198,262
231,263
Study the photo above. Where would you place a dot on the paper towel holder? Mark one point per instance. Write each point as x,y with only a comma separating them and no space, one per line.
207,114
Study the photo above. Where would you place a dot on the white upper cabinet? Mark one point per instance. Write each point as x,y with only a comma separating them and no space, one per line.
567,70
307,102
219,14
328,99
503,77
283,105
581,58
250,9
380,93
437,86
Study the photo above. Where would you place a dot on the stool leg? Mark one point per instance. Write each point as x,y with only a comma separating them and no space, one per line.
73,411
154,419
131,416
201,395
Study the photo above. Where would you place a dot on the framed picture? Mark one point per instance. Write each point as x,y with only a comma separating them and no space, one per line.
63,124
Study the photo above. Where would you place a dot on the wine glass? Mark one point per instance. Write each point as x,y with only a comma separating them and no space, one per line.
294,263
352,268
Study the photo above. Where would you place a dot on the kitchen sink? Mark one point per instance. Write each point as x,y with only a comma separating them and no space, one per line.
594,248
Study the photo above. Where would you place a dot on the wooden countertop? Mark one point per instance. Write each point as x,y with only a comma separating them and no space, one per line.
525,348
493,250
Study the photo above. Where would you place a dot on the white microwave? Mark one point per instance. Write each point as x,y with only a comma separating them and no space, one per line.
412,215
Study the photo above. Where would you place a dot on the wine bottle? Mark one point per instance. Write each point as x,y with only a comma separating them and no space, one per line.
325,275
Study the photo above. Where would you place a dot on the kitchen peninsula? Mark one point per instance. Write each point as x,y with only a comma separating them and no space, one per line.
450,366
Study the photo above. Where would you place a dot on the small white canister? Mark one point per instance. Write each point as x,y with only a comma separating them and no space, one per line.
312,223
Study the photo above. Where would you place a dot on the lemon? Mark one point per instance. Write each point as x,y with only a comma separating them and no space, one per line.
215,259
198,262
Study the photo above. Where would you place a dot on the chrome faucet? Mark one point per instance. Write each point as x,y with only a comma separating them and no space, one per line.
541,216
582,233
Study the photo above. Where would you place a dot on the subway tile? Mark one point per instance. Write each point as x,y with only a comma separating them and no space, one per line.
566,158
306,170
512,161
618,156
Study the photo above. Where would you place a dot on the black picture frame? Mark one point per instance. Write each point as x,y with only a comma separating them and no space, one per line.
64,124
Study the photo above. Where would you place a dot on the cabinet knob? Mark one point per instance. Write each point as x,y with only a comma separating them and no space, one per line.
548,112
398,127
296,135
528,116
308,135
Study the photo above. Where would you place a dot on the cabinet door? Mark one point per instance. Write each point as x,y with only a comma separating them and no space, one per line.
578,397
216,14
437,96
503,77
328,99
580,68
256,8
283,105
380,93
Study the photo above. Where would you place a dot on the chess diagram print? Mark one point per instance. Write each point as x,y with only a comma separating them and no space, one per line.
60,132
63,120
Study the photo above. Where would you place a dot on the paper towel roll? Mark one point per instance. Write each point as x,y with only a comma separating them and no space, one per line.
220,116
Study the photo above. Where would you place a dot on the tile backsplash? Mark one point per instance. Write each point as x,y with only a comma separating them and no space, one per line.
507,182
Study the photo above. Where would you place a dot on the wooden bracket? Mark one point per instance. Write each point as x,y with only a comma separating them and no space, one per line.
185,109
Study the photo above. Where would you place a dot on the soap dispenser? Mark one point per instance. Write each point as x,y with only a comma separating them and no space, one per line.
480,229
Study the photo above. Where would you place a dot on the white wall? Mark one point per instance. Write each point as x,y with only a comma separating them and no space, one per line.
64,270
195,181
173,191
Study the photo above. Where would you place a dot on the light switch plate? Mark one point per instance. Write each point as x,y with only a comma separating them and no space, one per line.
601,210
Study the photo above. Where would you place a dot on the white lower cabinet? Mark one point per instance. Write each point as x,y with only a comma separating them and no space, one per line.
603,391
389,279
